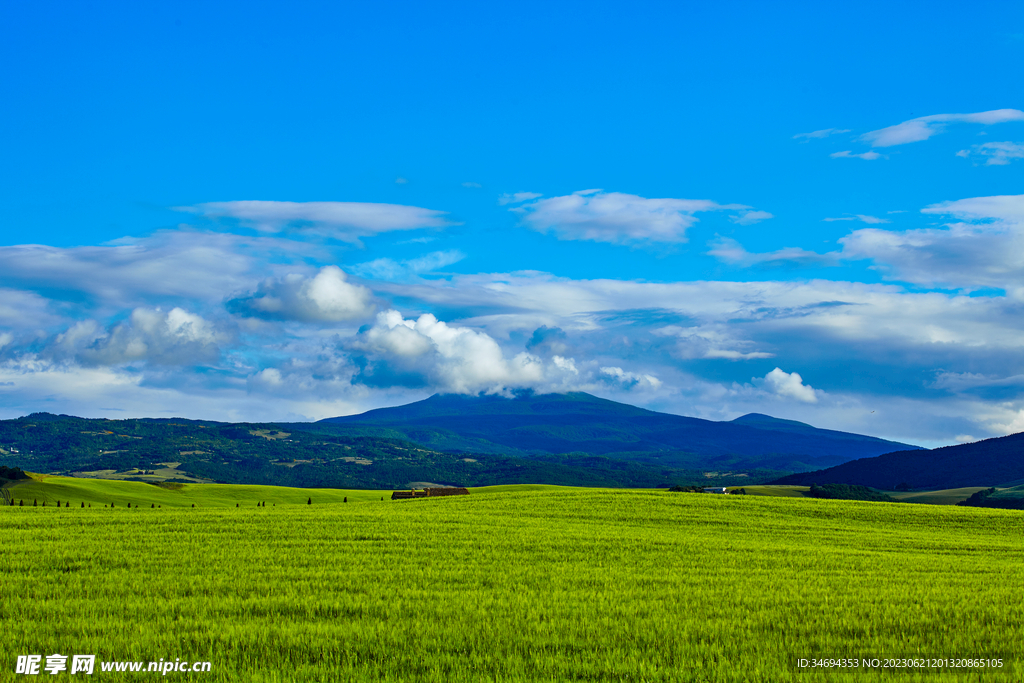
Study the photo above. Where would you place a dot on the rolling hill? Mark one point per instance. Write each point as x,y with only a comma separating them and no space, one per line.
185,451
578,422
992,462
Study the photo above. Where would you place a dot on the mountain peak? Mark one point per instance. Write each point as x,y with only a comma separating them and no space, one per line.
761,420
577,422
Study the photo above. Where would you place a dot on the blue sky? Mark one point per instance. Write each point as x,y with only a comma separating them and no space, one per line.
266,212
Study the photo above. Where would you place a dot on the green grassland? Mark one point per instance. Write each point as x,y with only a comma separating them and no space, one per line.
509,584
101,492
776,490
940,497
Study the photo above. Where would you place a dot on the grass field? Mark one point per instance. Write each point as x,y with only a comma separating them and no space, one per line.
778,491
941,497
101,492
511,585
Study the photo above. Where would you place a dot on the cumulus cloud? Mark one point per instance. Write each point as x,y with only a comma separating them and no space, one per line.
616,217
750,217
390,269
326,297
848,154
788,385
818,134
175,337
429,352
995,153
344,221
517,197
924,127
859,217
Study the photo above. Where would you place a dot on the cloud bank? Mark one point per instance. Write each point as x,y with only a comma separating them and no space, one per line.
344,221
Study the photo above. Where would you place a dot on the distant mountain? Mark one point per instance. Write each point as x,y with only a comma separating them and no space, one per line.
992,462
178,450
531,425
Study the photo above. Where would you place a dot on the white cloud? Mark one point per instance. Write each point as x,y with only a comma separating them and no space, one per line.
824,133
632,379
449,358
750,217
925,127
985,250
185,263
123,392
26,311
711,340
389,269
859,217
995,153
999,207
730,251
176,337
727,354
788,385
845,319
344,221
566,364
848,154
517,197
616,217
326,297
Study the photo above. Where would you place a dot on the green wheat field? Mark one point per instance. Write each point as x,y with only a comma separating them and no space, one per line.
512,583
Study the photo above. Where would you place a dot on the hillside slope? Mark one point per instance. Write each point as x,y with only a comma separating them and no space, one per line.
991,462
579,422
184,451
